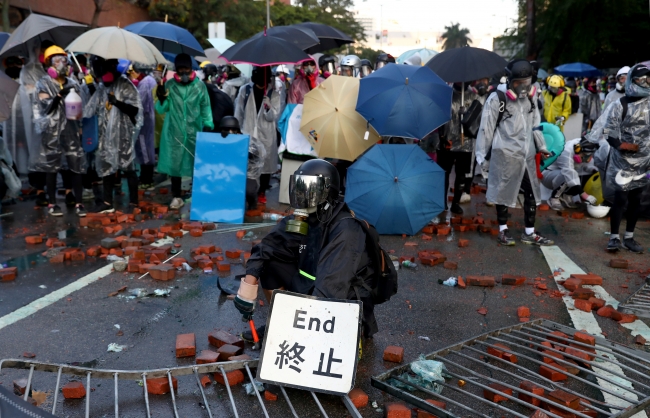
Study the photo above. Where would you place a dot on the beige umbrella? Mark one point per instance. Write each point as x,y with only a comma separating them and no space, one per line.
114,43
330,123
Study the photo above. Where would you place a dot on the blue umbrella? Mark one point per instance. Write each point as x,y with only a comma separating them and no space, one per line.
397,188
403,100
577,69
167,37
3,38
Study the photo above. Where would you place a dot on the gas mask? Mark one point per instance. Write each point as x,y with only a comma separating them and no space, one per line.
554,90
108,78
481,89
306,193
641,81
522,90
309,69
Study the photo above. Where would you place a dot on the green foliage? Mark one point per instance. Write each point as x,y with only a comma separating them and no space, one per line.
244,18
367,53
604,33
455,37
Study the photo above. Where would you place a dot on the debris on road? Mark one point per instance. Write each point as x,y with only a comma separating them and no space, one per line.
116,348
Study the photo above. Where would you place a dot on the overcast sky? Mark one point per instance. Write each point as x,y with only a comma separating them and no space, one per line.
482,17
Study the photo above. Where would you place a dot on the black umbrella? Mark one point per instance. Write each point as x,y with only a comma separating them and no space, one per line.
330,38
466,64
264,50
303,38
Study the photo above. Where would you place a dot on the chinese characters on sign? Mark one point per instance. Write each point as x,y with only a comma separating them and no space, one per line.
311,343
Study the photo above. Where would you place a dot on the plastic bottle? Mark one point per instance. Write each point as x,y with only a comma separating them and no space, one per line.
452,281
409,264
73,108
272,216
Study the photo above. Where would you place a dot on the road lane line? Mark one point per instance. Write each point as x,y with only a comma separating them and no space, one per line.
556,258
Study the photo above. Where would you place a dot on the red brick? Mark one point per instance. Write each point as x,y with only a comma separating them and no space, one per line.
439,404
584,338
397,410
358,397
557,411
229,350
233,253
494,394
185,345
271,397
116,251
461,228
206,264
578,215
450,265
160,385
485,281
596,303
543,207
209,226
579,353
551,374
572,367
461,283
462,243
162,272
456,220
207,356
241,357
429,229
588,279
77,255
34,239
523,312
74,390
223,266
582,293
510,280
532,388
93,251
606,311
20,386
220,338
583,305
59,258
394,354
639,339
411,259
136,233
564,398
205,381
572,284
443,230
618,263
235,377
133,266
8,274
175,233
627,319
511,357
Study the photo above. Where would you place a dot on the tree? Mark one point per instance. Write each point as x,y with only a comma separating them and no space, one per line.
336,13
99,8
455,37
604,33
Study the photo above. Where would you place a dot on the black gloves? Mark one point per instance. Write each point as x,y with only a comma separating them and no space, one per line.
65,90
161,92
111,99
246,308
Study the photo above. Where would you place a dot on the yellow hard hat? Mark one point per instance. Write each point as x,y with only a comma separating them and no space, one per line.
556,81
204,63
53,50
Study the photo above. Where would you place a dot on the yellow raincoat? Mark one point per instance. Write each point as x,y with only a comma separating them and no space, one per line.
555,106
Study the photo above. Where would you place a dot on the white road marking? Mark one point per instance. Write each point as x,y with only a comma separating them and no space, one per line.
556,258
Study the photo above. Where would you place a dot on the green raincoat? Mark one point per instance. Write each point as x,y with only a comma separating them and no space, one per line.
187,110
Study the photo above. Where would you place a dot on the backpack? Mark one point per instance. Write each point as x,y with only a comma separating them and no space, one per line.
624,103
502,106
386,284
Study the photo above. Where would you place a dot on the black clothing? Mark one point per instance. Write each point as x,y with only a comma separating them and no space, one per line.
631,198
146,173
176,186
331,261
132,181
463,162
221,105
530,205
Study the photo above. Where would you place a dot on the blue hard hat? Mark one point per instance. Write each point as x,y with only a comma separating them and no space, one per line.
123,65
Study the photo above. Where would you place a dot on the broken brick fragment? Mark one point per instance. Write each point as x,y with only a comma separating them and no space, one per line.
439,404
501,351
394,354
523,312
583,305
205,381
578,215
596,303
554,375
229,350
572,284
579,353
234,377
358,397
495,392
233,253
627,318
160,385
584,338
272,397
582,293
74,390
462,243
485,281
8,274
443,230
34,239
510,280
221,338
206,357
461,283
588,279
397,410
639,339
618,263
606,311
565,398
162,272
531,387
450,265
185,345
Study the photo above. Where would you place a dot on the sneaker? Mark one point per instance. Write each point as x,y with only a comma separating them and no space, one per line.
465,198
490,204
80,210
555,203
88,194
504,238
70,200
568,201
54,210
632,245
105,208
147,187
455,208
261,199
248,335
177,203
41,199
535,239
614,245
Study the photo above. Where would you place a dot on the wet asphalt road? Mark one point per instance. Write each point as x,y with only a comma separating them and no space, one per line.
78,328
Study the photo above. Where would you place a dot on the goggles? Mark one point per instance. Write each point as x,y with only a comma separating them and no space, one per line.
308,191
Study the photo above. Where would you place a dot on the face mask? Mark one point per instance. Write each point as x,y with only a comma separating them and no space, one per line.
283,77
620,87
62,69
108,78
135,82
592,88
309,69
41,58
553,90
481,89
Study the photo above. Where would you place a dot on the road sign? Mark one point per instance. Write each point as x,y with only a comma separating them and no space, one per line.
311,343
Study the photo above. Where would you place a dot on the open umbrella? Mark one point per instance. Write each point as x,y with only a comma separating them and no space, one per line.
171,57
465,64
406,101
396,188
302,37
214,55
329,37
8,90
264,50
577,69
167,37
330,123
3,38
220,44
115,43
40,27
424,54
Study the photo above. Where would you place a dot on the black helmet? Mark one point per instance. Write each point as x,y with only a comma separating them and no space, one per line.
97,65
326,59
383,59
210,70
314,183
535,65
229,123
519,69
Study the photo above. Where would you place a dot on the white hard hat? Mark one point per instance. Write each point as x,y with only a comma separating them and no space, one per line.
623,71
282,68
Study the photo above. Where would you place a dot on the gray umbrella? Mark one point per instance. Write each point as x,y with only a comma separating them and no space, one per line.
8,90
59,31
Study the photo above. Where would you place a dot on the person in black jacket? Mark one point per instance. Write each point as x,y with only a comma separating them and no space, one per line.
220,102
319,250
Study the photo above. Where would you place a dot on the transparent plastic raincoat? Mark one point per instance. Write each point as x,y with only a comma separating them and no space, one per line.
60,137
117,133
451,130
589,105
187,110
565,170
512,146
256,158
629,170
145,150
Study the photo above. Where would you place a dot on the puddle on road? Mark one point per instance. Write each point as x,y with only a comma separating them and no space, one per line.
32,260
